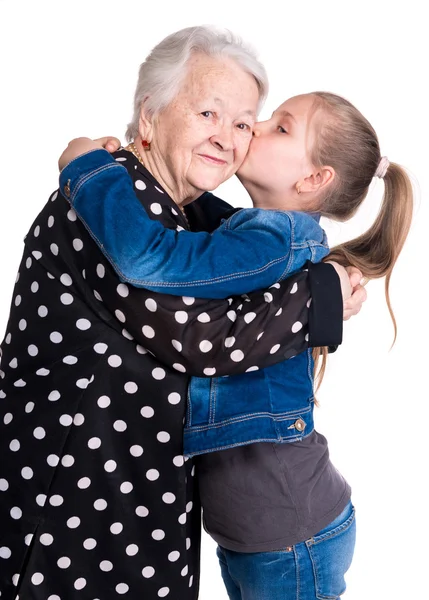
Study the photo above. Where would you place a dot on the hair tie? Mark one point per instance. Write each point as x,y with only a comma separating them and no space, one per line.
383,165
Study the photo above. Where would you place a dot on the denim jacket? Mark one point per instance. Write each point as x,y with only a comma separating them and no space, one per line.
272,404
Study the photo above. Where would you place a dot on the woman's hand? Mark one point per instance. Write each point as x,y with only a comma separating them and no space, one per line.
82,145
354,294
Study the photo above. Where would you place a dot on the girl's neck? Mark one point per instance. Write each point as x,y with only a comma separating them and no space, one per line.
272,200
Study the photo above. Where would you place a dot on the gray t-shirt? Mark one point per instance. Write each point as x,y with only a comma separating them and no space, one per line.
266,496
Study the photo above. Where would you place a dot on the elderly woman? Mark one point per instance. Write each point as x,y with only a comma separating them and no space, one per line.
96,500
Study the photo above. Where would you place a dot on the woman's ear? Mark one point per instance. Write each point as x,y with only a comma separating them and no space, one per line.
319,179
145,123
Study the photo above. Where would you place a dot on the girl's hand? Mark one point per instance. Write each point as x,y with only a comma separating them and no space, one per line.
82,145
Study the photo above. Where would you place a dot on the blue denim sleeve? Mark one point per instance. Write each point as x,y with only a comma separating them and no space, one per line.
250,251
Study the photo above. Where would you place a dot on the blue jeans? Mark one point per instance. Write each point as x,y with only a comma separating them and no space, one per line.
311,570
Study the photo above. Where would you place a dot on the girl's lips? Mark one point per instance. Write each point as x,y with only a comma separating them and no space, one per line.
213,159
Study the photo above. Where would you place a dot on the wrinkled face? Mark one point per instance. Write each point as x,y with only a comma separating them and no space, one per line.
278,156
204,134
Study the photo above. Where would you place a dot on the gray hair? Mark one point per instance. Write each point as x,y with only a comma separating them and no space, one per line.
162,72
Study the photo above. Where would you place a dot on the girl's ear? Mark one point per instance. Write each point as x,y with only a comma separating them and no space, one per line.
317,180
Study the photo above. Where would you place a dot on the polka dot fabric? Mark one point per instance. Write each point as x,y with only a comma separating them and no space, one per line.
96,500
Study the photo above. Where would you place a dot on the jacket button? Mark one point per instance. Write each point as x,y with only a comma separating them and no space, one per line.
300,425
67,189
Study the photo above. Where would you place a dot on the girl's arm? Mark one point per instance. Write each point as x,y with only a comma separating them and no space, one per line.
251,250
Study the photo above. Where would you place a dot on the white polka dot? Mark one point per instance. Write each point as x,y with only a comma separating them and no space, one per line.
8,418
41,499
71,215
18,300
4,485
158,373
176,345
66,279
163,592
268,297
209,371
110,466
230,341
294,288
32,350
181,316
237,355
37,578
309,303
29,407
122,588
94,443
106,565
203,318
182,519
14,446
66,420
132,549
148,332
126,487
13,363
179,228
46,539
28,539
103,401
8,338
120,316
56,337
148,572
122,290
100,348
189,507
147,412
130,387
274,349
42,311
179,367
158,534
174,398
83,324
152,474
77,244
36,231
54,249
232,315
297,326
67,460
142,511
37,255
279,312
205,346
163,437
168,498
249,317
27,473
5,552
140,349
64,562
53,461
119,425
73,522
51,221
54,597
22,324
54,396
80,583
250,369
84,483
173,556
136,450
188,300
89,544
307,337
121,159
28,262
66,299
114,361
116,528
42,372
178,461
70,360
82,383
156,208
140,185
15,579
39,433
16,513
161,192
184,571
34,287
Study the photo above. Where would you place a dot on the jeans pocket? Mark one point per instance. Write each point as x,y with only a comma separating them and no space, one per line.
331,554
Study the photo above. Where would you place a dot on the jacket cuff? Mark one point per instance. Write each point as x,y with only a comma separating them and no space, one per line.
83,168
325,319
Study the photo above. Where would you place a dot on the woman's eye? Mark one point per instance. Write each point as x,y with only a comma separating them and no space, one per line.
206,113
244,127
281,129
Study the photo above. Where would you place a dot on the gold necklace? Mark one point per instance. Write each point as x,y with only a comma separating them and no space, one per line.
133,149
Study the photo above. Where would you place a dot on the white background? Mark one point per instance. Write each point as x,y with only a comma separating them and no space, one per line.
69,69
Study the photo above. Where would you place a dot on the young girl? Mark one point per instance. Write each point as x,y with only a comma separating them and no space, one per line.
280,512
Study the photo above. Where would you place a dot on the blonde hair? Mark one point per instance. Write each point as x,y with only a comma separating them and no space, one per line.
347,142
163,71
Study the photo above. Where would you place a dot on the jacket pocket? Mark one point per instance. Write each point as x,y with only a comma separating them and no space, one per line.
331,554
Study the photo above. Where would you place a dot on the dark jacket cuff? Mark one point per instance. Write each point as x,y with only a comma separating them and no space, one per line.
325,317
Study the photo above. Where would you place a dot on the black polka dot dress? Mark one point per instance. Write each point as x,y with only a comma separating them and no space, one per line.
96,498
